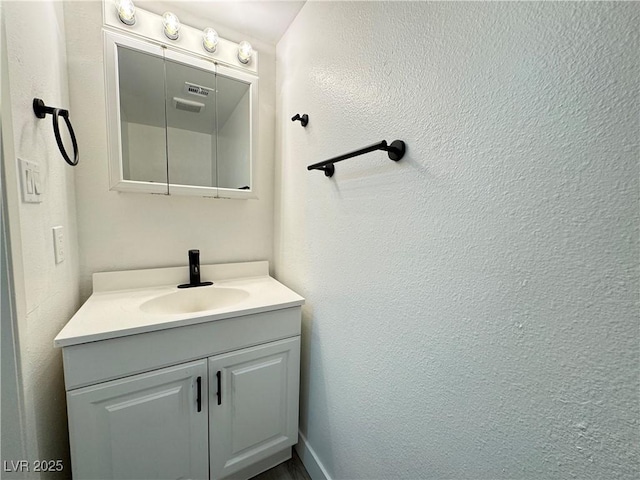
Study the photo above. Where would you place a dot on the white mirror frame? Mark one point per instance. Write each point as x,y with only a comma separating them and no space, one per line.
117,182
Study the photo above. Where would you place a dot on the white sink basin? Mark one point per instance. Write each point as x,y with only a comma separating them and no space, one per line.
197,299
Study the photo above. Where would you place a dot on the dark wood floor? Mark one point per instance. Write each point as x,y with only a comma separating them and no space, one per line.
292,469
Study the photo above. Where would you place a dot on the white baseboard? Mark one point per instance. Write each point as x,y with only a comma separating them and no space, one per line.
310,460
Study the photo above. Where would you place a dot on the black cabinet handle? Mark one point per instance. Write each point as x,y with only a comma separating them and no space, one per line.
199,394
219,376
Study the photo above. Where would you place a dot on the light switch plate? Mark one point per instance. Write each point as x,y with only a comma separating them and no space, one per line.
58,243
30,181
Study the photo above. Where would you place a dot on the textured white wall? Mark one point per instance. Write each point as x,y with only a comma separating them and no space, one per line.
119,231
48,294
472,311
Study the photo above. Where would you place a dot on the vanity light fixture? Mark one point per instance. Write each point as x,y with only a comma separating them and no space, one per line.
126,11
244,52
171,25
209,39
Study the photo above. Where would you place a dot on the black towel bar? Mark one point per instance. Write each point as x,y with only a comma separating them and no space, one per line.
41,111
395,150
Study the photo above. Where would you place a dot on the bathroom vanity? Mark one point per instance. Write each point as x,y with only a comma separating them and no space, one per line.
195,383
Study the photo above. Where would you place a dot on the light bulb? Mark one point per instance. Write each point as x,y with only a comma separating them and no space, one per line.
171,25
126,11
244,51
209,39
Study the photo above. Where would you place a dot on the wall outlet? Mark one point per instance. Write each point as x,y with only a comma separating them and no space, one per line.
58,243
30,181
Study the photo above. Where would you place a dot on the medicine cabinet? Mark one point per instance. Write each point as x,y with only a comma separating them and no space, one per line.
178,124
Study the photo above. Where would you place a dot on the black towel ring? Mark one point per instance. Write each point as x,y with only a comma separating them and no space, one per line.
41,110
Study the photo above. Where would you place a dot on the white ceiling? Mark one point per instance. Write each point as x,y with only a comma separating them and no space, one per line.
265,20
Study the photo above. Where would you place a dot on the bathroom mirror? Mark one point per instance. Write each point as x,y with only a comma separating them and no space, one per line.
142,117
190,106
178,124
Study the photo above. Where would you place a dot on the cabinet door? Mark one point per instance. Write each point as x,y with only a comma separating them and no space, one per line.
148,426
253,407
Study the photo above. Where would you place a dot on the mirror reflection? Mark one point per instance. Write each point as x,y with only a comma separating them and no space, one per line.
234,142
142,116
191,125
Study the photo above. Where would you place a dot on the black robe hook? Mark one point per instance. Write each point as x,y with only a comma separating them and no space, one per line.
304,119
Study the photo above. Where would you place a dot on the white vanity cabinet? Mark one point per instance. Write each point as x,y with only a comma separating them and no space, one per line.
184,422
253,404
143,426
204,395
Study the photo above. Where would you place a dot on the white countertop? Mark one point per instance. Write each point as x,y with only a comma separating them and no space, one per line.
116,313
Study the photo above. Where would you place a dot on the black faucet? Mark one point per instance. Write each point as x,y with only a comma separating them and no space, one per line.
194,271
194,267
